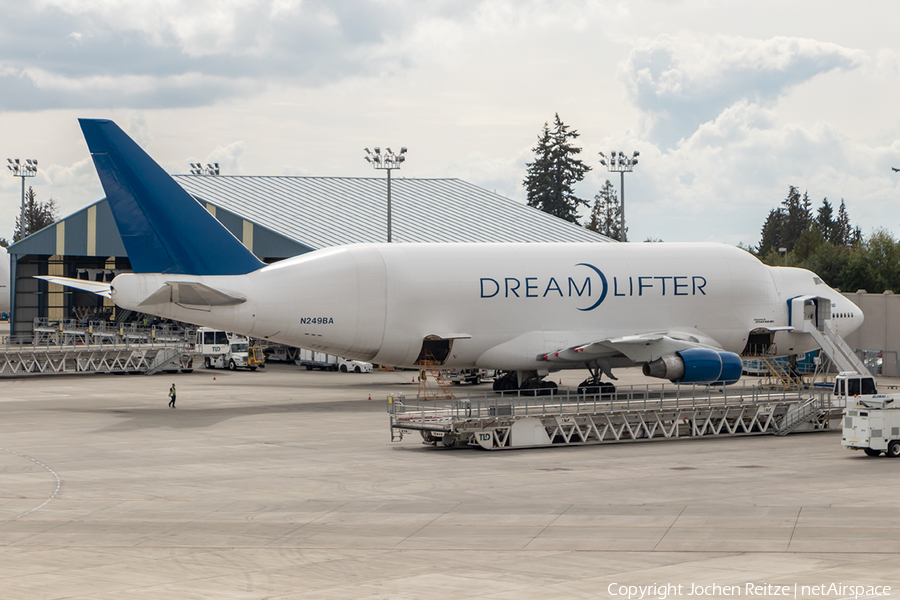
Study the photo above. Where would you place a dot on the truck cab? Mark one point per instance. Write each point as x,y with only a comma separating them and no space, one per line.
221,350
871,420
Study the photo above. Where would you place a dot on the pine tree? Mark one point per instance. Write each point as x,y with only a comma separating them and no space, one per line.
797,217
37,215
554,172
771,238
825,220
606,213
843,231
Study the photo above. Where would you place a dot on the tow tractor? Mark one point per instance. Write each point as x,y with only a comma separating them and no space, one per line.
871,420
221,350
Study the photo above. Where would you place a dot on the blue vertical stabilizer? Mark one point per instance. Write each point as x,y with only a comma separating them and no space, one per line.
163,228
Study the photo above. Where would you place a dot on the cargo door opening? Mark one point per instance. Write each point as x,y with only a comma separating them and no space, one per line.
435,350
760,342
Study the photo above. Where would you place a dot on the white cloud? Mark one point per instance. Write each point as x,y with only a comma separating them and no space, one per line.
720,182
683,81
228,157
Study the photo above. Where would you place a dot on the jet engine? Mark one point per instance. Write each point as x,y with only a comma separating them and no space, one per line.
697,365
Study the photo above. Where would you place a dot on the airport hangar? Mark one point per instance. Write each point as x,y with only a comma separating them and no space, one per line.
276,217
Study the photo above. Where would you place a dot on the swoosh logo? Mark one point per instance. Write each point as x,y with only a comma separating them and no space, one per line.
602,279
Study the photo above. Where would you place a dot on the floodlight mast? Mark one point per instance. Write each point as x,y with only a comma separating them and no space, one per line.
617,162
386,161
28,169
209,169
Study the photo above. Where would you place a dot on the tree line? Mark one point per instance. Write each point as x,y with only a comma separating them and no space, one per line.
829,245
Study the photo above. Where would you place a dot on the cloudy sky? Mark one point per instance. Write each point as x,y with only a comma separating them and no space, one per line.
728,103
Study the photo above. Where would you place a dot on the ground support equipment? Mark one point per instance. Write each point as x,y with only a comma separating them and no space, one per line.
645,413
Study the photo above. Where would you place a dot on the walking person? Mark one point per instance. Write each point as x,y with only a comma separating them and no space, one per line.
172,396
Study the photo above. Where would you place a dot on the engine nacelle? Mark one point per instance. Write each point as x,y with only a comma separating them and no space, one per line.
697,365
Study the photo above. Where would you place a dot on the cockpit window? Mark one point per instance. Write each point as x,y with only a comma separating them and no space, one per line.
817,281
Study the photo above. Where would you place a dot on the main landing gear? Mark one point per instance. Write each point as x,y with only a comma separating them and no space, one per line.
592,385
529,385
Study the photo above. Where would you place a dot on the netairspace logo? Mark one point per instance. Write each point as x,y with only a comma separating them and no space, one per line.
838,591
592,286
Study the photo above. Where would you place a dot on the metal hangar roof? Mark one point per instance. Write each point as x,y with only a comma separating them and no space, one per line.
279,217
328,211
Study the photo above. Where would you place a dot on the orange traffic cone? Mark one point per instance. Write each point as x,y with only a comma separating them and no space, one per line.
370,396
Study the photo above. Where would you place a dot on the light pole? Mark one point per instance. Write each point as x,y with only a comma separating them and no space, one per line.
387,161
209,169
28,169
617,162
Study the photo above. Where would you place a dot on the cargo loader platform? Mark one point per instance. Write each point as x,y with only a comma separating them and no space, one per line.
640,413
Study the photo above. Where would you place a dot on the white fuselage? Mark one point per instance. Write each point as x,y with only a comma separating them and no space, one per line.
504,305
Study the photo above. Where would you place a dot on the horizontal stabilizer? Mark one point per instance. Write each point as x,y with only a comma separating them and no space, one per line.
96,287
191,293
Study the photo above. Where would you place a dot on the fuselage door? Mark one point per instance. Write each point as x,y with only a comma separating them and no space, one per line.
809,308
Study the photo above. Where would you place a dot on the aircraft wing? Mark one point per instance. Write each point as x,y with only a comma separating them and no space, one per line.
638,348
97,287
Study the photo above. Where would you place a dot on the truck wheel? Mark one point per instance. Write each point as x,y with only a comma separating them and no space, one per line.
207,363
309,367
356,369
872,452
343,368
477,380
893,449
231,365
252,368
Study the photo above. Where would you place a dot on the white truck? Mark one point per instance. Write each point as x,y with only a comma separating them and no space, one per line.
222,350
312,359
871,420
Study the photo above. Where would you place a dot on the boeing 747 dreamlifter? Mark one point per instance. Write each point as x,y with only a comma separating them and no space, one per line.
683,311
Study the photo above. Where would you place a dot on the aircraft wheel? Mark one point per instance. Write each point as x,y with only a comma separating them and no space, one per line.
871,452
893,449
231,365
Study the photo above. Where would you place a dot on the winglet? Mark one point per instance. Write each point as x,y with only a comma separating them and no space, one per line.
163,228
